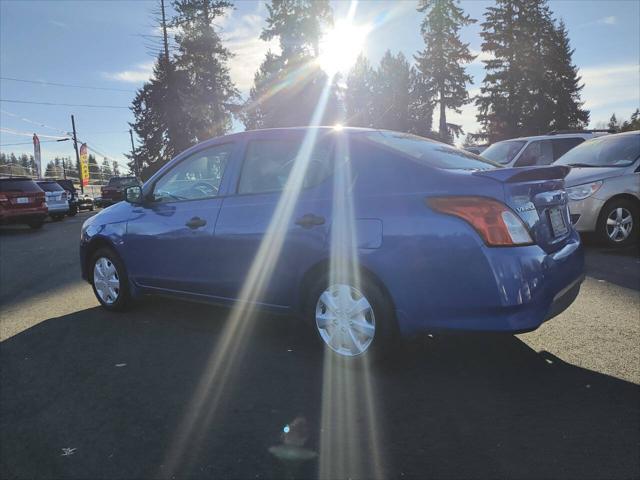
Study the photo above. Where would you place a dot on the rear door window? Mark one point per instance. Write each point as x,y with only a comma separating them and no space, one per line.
268,164
563,145
538,152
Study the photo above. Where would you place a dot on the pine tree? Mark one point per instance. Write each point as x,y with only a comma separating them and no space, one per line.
441,62
613,123
633,123
158,112
115,169
289,87
531,85
209,96
420,106
565,83
391,90
358,99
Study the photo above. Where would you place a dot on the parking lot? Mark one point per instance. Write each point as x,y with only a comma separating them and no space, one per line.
91,394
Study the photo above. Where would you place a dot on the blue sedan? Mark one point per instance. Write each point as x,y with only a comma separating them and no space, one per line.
368,235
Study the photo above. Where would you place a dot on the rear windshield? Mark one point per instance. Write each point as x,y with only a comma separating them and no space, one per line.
50,187
67,185
608,151
504,152
21,185
434,154
122,181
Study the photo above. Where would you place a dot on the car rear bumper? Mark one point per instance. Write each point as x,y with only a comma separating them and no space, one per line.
512,289
58,208
26,215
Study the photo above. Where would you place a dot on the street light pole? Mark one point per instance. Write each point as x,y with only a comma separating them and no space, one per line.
75,146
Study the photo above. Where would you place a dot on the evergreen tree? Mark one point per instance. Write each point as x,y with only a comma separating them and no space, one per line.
531,85
565,89
613,123
441,62
115,169
420,106
633,123
358,99
288,87
208,94
158,113
105,169
94,169
391,89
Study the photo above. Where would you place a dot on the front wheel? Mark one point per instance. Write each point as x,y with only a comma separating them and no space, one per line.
352,319
618,223
109,280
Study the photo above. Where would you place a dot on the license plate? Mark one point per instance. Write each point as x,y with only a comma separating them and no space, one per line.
557,222
22,200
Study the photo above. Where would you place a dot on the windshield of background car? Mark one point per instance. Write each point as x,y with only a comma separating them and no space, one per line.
434,154
50,187
504,152
19,186
123,182
609,151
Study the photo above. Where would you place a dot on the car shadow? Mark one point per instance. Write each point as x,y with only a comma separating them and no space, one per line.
100,395
620,266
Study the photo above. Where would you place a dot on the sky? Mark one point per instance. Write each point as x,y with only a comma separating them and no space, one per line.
105,49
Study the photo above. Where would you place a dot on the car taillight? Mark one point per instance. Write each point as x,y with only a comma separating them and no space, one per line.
496,223
103,189
3,198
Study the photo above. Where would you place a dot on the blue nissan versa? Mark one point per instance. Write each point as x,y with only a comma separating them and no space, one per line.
442,239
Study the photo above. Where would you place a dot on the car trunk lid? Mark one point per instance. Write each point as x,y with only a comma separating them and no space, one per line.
537,195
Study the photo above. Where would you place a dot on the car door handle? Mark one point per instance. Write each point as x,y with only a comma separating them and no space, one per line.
310,220
196,222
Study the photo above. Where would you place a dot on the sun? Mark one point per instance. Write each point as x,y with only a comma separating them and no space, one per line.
341,46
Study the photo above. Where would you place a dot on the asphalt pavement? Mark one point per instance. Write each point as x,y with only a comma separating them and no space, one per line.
91,394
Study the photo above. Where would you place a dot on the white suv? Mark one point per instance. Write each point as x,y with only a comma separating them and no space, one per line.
539,150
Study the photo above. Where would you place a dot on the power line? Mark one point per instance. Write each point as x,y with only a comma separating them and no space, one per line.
26,143
40,124
62,104
69,85
11,131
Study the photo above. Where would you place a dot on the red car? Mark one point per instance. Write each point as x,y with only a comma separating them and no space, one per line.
113,192
22,201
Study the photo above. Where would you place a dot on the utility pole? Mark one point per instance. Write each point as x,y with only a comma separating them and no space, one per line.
136,168
75,146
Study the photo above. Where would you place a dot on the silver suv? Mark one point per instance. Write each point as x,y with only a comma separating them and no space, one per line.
56,198
538,150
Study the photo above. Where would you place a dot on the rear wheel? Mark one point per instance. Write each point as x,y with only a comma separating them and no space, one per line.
352,320
109,280
57,218
618,223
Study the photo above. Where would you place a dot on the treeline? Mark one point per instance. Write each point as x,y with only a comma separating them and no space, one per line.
530,85
627,125
59,167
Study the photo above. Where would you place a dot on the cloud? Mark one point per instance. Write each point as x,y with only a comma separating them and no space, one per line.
243,39
609,88
141,73
608,20
57,23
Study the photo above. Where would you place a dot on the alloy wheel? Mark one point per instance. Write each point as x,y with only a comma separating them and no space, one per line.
106,280
345,320
619,224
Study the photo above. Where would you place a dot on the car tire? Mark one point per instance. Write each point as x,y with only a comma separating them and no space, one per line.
37,225
614,215
382,316
73,211
91,208
57,218
102,278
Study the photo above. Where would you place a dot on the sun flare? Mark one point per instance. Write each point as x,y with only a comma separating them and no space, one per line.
341,46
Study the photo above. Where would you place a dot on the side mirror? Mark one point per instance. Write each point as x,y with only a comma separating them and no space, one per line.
133,194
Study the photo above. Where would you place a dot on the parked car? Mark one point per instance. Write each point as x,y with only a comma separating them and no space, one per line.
421,236
97,202
85,202
56,199
113,192
22,201
538,150
477,149
604,187
72,195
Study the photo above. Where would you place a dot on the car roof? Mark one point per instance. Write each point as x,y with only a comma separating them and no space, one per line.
6,179
558,135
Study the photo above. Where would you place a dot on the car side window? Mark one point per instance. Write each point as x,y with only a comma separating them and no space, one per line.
538,152
268,164
196,177
563,145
